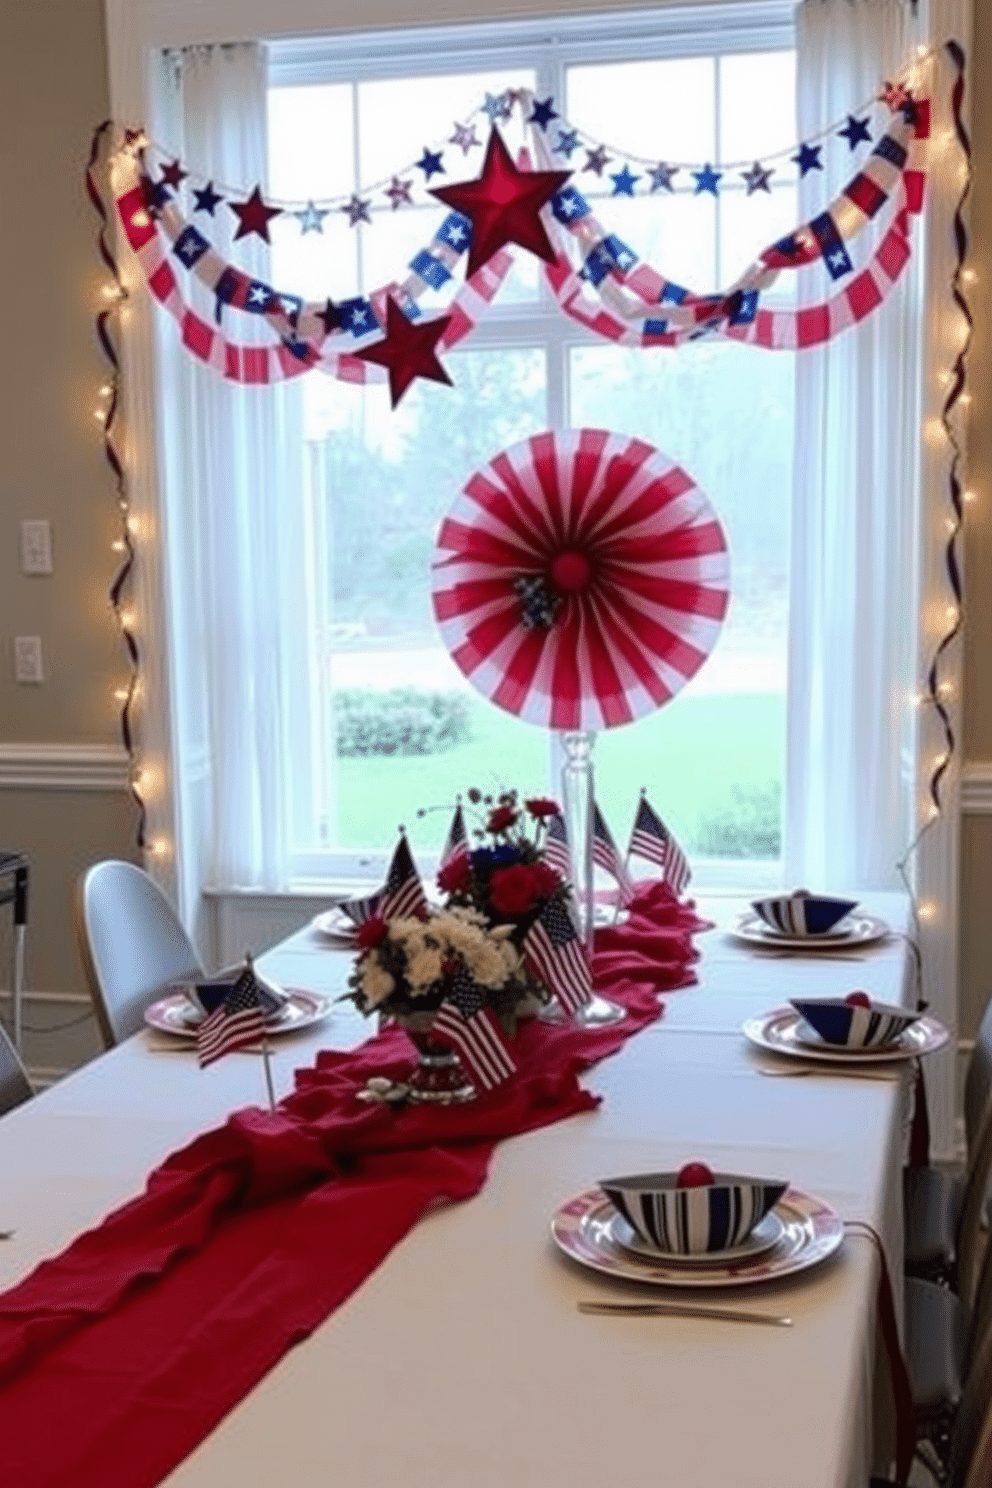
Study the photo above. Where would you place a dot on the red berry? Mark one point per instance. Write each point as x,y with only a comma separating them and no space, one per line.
858,999
694,1175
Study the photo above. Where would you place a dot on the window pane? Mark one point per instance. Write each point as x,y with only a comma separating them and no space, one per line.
749,224
757,108
713,757
399,727
665,107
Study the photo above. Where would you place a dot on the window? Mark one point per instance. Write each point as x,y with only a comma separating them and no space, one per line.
390,722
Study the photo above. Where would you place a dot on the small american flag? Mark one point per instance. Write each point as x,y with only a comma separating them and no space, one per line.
556,853
651,839
466,1023
555,955
457,839
404,893
604,852
237,1021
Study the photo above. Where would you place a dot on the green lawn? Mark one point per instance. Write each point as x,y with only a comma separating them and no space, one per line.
701,757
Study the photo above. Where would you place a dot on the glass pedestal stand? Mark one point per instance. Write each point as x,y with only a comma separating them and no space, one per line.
577,793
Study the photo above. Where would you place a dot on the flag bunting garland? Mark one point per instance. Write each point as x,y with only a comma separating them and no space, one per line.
595,277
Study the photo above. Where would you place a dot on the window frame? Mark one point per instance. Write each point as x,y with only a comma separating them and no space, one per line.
711,31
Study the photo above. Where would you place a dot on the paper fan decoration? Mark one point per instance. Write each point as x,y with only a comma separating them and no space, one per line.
580,579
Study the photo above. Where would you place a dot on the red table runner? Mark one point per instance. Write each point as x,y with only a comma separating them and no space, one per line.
120,1355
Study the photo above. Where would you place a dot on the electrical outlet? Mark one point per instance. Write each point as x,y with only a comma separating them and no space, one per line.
27,659
36,547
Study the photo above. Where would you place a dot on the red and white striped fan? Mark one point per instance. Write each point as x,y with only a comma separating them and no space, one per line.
580,579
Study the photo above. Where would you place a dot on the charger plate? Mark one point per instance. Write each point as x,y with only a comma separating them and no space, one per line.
783,1031
853,930
584,1229
175,1014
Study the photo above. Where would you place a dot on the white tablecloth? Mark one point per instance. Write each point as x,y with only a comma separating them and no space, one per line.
463,1360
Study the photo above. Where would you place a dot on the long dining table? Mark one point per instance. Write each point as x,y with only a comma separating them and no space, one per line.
463,1359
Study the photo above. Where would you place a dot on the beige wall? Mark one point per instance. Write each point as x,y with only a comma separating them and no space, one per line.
53,90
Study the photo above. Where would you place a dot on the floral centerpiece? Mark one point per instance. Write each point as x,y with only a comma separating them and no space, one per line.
462,967
507,877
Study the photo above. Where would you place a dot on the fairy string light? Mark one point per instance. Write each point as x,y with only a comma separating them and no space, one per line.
937,692
115,295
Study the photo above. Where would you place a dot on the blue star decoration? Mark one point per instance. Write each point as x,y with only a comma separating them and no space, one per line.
624,182
543,112
496,108
568,141
707,179
311,218
808,159
662,176
430,163
207,200
855,131
757,178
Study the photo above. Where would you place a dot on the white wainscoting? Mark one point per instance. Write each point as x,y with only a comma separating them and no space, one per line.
76,767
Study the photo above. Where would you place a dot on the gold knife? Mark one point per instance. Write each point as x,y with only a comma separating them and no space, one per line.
682,1309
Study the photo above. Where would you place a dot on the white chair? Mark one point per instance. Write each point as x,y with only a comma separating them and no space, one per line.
15,1086
131,944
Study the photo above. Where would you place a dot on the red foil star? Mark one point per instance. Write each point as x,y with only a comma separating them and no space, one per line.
253,216
503,205
408,350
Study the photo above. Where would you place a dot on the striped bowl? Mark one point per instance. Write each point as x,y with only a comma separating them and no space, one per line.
692,1221
837,1022
802,913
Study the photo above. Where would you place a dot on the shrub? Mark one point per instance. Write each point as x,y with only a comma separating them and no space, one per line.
402,721
750,828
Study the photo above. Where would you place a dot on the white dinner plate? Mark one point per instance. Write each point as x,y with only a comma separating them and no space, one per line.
783,1031
335,927
176,1014
811,1231
853,930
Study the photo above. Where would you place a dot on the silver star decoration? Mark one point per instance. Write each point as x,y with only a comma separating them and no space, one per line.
662,176
596,160
757,178
311,218
399,193
357,210
465,138
498,107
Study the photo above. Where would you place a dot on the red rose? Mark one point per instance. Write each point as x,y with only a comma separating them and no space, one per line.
500,818
513,891
542,806
456,876
546,880
371,933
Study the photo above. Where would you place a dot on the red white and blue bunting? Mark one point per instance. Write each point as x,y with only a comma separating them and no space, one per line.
532,201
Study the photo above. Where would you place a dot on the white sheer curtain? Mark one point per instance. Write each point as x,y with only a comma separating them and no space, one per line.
229,452
854,607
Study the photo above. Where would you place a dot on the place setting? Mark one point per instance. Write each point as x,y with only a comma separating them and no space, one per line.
184,1008
802,923
852,1034
691,1230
